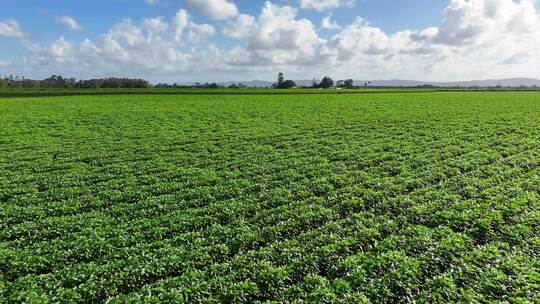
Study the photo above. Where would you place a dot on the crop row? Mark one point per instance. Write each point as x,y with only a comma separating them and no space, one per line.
245,199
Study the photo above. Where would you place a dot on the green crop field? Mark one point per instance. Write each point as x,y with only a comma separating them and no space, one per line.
364,198
18,92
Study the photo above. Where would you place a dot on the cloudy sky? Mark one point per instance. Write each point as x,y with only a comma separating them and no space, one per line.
218,40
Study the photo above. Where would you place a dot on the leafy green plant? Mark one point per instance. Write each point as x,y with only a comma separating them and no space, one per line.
387,197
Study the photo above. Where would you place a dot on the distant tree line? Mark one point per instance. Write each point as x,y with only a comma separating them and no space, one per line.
325,83
198,85
59,82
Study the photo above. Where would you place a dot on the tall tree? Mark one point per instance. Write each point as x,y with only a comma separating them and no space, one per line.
288,84
280,80
326,82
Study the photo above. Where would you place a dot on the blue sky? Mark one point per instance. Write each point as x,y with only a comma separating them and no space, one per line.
97,16
417,39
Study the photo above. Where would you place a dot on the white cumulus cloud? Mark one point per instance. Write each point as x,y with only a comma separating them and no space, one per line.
278,37
240,27
69,23
11,28
215,9
154,46
329,24
321,5
475,39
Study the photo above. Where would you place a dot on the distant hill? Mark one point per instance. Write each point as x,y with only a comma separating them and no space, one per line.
509,82
250,83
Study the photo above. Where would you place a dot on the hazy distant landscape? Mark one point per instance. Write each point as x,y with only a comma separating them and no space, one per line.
511,82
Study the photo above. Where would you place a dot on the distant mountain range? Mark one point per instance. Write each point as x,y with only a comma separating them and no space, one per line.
509,82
